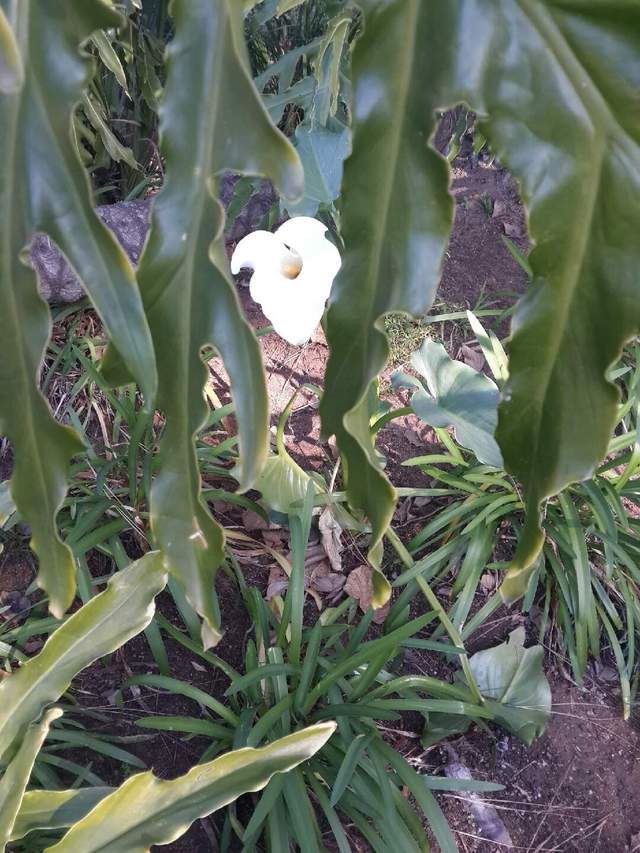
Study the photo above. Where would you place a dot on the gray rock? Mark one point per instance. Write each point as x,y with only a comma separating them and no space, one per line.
129,221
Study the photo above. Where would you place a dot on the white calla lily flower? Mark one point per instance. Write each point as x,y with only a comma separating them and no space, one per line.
293,270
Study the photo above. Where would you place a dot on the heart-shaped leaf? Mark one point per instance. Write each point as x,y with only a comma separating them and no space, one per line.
458,396
512,680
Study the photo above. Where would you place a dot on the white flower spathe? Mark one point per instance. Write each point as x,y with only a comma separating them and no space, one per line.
293,270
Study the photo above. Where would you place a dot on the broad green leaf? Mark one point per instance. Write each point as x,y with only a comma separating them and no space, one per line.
55,809
396,216
282,481
11,70
458,397
189,299
16,776
512,679
554,80
146,810
569,92
105,623
322,152
44,188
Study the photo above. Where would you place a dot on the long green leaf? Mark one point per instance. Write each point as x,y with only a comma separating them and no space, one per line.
555,79
396,217
11,70
102,625
558,410
44,188
209,104
16,776
55,809
146,810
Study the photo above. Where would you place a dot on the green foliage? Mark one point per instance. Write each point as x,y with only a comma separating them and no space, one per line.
42,187
54,809
16,776
152,811
544,77
189,300
395,225
101,626
553,428
589,566
457,396
282,482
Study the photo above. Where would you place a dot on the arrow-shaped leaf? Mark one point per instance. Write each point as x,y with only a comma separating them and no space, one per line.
110,619
146,810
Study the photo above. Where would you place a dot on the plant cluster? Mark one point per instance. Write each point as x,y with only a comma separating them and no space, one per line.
121,444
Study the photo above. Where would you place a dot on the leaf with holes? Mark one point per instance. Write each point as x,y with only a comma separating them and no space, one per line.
554,83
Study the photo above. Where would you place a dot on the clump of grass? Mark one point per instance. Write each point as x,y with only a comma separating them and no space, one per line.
405,336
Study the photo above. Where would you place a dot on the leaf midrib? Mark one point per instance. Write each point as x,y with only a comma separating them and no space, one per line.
556,45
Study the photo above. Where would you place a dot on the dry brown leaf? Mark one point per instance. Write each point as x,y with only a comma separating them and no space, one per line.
330,531
487,582
252,521
274,538
277,582
324,580
413,437
471,356
359,585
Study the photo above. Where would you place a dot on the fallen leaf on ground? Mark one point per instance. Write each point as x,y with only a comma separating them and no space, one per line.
324,580
359,585
330,532
252,521
471,356
277,582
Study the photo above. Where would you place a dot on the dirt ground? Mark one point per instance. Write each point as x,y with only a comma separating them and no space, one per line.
576,788
573,790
